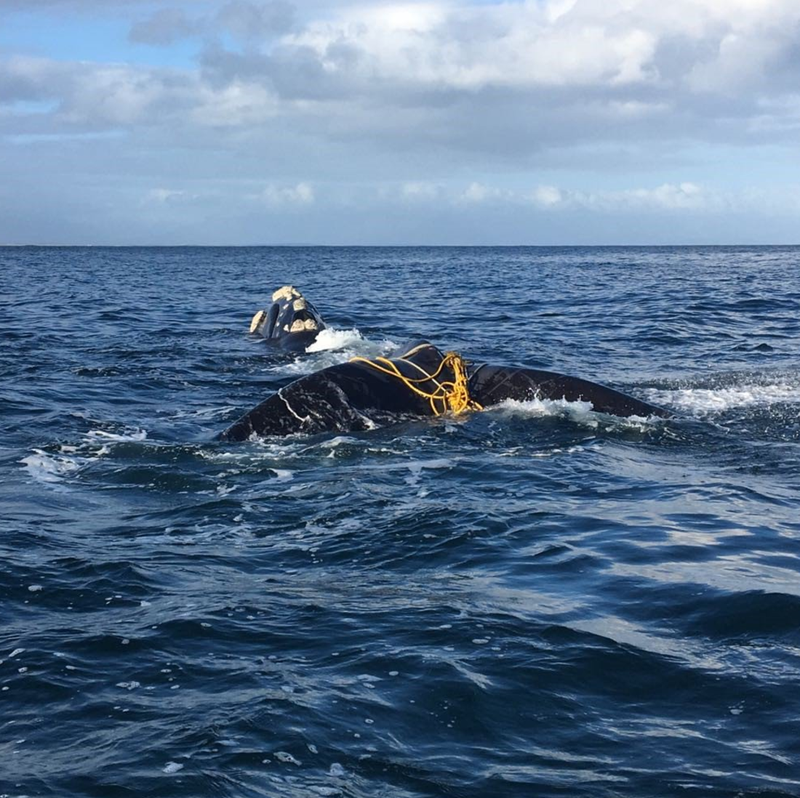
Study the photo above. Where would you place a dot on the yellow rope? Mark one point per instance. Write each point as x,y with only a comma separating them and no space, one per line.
449,395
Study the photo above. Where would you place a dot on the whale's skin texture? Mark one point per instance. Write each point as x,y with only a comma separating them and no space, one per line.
490,385
355,396
344,398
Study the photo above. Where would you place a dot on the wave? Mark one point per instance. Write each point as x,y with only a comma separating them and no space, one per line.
332,340
49,468
579,412
115,437
712,401
332,347
55,467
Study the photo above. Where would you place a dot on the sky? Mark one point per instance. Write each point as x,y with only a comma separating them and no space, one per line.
463,122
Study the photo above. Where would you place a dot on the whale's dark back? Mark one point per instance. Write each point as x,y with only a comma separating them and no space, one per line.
362,394
491,385
347,397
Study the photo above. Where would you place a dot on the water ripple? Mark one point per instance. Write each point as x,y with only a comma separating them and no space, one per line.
538,600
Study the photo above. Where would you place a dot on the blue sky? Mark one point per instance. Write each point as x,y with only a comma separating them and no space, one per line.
539,122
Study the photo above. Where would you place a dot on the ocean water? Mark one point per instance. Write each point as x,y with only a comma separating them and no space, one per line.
531,601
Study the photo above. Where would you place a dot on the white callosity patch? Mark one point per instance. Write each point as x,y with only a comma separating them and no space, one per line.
287,292
256,321
303,325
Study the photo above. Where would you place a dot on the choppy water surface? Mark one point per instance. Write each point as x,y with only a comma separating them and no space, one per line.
531,601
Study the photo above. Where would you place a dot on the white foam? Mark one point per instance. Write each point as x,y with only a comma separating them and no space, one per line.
708,401
416,467
53,468
285,756
580,412
339,440
44,467
99,434
331,340
333,347
205,414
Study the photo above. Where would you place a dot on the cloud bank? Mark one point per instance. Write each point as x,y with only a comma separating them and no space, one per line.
557,106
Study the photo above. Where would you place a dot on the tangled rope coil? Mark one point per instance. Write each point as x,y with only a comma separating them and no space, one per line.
449,395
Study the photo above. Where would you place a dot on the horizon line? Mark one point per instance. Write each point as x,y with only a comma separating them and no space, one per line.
383,246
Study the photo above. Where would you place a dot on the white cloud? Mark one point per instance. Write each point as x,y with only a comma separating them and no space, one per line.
98,96
555,43
547,196
237,104
165,195
666,197
467,108
478,193
506,79
673,198
470,48
420,190
281,196
686,196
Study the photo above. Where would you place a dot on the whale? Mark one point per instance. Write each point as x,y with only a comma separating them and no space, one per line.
414,382
291,322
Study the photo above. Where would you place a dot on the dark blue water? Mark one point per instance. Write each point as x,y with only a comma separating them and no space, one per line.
531,601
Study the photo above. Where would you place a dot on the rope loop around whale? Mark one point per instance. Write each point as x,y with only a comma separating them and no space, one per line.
449,396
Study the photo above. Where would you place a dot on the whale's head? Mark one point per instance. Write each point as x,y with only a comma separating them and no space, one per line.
290,315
